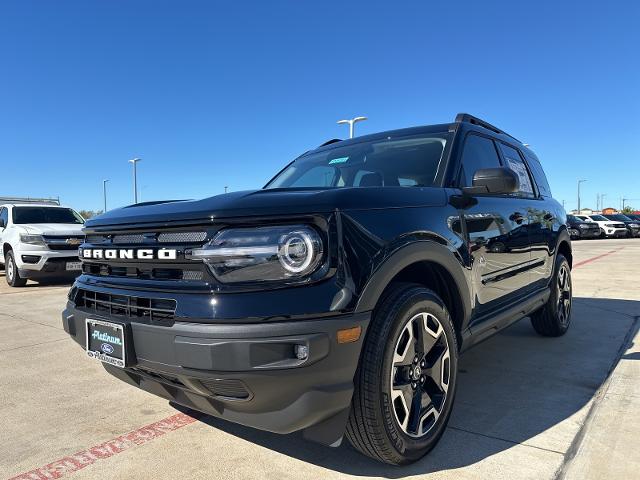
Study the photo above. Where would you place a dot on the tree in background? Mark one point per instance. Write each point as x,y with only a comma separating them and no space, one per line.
628,209
87,214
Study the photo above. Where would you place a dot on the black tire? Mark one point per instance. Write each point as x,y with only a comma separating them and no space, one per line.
11,272
554,318
374,427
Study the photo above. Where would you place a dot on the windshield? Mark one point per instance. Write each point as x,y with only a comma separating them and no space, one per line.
571,218
598,218
618,217
407,162
25,215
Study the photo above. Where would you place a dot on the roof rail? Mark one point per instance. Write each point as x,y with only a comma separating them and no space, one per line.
465,117
49,201
329,142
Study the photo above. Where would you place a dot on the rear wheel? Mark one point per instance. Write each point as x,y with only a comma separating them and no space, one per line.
11,272
405,384
554,318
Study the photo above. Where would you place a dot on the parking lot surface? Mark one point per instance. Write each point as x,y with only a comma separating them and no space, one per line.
527,406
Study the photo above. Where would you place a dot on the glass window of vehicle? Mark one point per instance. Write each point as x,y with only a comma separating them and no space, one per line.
539,176
598,218
515,163
413,161
574,219
478,153
619,217
26,215
4,215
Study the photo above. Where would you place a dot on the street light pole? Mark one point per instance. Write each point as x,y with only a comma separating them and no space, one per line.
579,182
135,178
104,193
351,122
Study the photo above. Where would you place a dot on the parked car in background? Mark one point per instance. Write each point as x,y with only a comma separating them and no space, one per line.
579,229
633,216
632,226
39,241
608,228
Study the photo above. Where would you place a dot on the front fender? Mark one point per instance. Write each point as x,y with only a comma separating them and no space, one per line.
421,251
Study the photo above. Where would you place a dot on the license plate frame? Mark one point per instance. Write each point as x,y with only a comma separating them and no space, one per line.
109,349
73,266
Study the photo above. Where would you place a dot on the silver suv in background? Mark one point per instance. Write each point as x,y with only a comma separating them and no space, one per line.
39,241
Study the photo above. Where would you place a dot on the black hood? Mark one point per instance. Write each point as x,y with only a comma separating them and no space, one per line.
269,202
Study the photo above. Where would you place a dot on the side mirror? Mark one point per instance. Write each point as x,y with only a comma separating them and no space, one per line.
494,180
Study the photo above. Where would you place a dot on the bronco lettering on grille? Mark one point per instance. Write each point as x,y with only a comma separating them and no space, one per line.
130,254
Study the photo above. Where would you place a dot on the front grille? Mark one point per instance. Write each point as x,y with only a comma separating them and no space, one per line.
146,310
226,388
63,242
147,238
150,273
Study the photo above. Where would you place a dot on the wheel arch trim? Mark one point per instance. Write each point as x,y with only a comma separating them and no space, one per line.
416,252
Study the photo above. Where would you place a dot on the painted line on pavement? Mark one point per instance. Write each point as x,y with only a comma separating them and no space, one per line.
597,257
84,458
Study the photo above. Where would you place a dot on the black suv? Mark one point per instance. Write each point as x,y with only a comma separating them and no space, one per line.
579,229
337,299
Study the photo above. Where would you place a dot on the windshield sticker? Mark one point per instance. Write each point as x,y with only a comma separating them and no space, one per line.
338,160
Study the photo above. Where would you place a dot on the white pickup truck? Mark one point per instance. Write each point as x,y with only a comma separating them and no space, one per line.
39,241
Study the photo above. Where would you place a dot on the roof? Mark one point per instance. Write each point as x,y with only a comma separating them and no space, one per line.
461,118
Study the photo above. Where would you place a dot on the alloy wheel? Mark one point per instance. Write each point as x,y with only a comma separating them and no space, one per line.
10,269
420,375
564,295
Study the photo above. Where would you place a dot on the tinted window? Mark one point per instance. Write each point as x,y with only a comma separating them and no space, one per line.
515,163
4,215
539,176
25,215
479,152
389,162
618,217
598,218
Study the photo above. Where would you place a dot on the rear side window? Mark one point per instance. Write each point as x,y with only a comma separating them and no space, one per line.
515,163
479,152
539,176
4,215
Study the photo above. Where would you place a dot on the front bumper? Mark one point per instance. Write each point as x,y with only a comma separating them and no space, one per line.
615,232
244,373
43,263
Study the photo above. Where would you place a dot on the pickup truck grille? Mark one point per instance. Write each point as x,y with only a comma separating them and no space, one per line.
63,242
151,310
151,273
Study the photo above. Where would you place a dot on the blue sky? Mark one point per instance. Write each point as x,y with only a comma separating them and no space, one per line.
211,93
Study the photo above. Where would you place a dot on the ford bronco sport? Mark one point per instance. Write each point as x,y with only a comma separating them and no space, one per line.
337,299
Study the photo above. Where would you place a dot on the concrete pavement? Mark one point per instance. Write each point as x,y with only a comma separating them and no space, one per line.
527,406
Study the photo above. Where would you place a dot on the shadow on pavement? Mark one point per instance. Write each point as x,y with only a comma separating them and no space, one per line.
512,389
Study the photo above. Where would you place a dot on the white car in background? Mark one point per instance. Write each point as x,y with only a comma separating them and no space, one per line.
39,241
609,228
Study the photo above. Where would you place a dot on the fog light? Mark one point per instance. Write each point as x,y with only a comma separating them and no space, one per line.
301,351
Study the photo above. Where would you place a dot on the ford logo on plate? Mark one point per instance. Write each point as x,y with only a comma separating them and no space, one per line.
106,348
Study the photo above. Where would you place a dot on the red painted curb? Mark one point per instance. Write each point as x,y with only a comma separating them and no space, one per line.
84,458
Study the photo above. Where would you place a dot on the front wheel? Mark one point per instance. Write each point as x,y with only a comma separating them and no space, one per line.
554,318
11,272
406,380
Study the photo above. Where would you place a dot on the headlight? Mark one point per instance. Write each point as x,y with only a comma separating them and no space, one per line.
239,255
634,225
32,239
582,225
612,225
